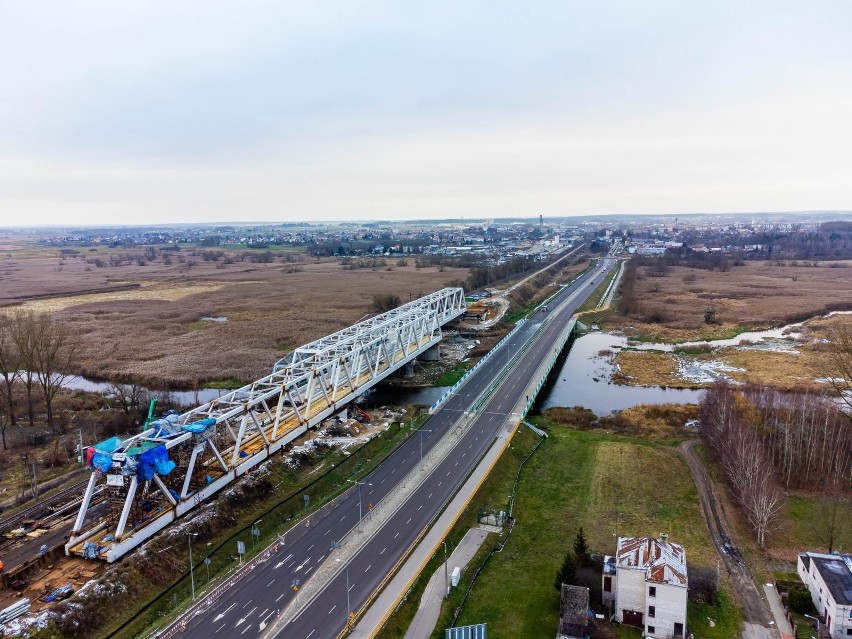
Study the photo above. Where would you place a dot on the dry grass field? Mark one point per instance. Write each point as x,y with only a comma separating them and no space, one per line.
143,322
754,296
801,367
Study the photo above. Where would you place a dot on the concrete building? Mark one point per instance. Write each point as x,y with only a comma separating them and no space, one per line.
645,585
829,580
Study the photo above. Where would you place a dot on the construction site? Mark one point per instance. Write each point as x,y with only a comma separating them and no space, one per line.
140,483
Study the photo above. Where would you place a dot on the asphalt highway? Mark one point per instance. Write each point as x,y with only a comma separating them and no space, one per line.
255,601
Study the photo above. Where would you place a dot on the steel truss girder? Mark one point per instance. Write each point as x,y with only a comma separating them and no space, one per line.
306,387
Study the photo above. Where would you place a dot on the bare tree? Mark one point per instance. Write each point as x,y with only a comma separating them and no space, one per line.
835,514
22,332
54,351
839,362
9,372
131,397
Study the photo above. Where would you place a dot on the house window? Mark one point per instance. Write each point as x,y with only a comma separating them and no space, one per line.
651,630
607,584
652,591
849,631
678,630
652,611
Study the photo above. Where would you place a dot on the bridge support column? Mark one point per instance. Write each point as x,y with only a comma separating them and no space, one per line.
432,354
409,369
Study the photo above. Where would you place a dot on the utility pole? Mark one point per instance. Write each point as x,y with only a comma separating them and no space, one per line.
80,435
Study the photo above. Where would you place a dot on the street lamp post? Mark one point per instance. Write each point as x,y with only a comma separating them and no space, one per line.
817,622
421,431
255,533
189,537
358,483
446,577
348,609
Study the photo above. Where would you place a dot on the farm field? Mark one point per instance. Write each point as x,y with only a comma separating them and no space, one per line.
143,321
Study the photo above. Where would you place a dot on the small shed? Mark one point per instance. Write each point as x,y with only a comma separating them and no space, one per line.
573,613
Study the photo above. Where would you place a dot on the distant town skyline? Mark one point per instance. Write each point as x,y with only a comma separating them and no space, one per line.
163,112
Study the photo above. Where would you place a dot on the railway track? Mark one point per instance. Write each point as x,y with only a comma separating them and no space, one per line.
43,507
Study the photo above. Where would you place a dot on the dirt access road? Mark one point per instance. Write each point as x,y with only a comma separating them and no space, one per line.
756,614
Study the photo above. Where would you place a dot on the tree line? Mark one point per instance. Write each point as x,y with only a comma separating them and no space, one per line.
763,439
37,352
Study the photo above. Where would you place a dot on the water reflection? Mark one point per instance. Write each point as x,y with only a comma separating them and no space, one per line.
584,380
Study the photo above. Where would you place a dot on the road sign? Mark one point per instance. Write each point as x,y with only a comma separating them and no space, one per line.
241,547
207,561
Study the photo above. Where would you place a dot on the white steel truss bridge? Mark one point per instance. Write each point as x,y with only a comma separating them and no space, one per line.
156,476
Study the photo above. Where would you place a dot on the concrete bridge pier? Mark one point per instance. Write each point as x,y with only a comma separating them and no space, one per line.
432,354
409,369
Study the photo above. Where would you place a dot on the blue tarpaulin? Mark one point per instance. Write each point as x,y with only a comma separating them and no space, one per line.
154,461
110,445
102,461
201,426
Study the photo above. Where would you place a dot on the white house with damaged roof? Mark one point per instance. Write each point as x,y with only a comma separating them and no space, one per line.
829,580
645,584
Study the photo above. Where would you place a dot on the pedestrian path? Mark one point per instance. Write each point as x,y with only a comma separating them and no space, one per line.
423,624
777,610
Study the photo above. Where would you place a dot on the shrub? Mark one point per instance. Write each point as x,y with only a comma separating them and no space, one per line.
800,601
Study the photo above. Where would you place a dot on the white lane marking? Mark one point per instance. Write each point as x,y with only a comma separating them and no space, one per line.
383,550
409,521
440,482
271,612
302,565
326,532
320,559
396,535
430,496
368,567
311,546
222,614
220,627
418,508
269,584
244,631
248,603
280,597
332,609
310,633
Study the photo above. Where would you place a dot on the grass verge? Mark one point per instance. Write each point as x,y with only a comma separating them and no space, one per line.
597,480
453,375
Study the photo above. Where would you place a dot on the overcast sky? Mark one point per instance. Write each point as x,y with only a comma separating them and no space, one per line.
143,112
